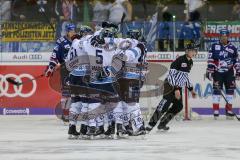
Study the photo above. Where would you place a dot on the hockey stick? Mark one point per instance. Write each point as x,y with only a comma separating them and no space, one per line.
12,81
225,99
228,103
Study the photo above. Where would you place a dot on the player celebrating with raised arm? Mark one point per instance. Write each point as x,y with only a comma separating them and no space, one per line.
172,94
222,59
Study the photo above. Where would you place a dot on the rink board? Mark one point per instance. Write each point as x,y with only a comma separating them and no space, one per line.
43,99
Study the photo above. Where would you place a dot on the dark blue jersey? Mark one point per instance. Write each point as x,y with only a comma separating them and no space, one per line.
60,51
222,58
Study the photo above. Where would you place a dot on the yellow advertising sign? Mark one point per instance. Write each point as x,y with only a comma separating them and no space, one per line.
27,31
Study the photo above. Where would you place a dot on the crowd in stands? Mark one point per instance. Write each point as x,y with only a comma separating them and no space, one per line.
192,12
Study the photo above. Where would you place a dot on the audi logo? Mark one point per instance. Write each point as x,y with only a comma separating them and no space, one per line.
4,86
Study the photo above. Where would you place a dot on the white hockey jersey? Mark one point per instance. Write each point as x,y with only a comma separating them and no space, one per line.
100,59
77,50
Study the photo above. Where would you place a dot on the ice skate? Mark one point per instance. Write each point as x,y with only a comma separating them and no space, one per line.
129,130
216,114
91,132
148,128
83,131
229,115
110,133
72,132
163,127
120,132
100,132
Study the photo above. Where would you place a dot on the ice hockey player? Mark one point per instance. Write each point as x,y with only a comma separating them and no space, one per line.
222,60
178,77
59,53
106,80
77,83
131,82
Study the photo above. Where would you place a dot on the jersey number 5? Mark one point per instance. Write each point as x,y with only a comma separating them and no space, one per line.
99,59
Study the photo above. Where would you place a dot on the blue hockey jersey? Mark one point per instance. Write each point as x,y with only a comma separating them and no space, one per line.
60,51
222,58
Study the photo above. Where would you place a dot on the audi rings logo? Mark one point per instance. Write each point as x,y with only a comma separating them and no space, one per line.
17,90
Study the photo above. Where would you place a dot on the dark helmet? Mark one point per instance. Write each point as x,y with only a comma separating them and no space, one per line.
109,25
85,30
108,32
134,34
192,46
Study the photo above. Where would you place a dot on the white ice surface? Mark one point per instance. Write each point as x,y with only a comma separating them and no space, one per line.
45,138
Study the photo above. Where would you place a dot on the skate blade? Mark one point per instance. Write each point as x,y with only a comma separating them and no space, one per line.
101,136
122,136
162,131
216,118
229,118
72,137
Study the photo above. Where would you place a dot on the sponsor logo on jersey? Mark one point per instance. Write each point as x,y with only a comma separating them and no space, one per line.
229,50
184,65
217,47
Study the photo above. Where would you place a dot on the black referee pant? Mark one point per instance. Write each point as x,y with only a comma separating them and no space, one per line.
163,110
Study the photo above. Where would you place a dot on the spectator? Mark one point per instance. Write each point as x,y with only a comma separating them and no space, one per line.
101,10
236,10
70,10
192,7
5,10
66,11
119,9
31,10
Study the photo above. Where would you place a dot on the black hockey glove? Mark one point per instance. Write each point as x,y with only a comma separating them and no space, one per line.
97,41
209,75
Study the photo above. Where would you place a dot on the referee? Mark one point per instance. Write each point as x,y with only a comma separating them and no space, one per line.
178,77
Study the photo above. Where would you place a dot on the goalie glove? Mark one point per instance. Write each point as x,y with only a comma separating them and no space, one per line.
49,71
209,75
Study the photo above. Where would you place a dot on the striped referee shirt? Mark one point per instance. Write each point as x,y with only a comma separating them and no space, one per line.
178,74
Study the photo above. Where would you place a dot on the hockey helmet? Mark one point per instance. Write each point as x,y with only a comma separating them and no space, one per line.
85,30
134,34
192,46
70,27
108,32
224,32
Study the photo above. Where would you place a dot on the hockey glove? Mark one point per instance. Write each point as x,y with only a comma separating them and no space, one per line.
76,36
49,71
209,75
97,41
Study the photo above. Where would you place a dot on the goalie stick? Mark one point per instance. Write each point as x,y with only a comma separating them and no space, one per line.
225,99
14,82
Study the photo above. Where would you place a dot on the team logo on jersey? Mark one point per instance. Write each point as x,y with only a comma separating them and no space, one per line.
17,90
184,65
218,47
229,50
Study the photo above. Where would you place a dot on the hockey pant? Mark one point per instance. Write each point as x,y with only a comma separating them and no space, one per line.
226,79
164,111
